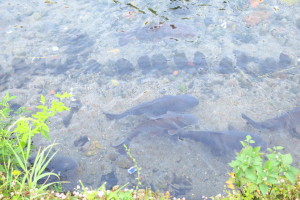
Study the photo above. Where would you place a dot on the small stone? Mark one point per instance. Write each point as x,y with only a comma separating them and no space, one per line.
124,163
191,85
112,156
226,66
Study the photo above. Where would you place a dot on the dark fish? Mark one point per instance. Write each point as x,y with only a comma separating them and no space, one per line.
169,123
159,106
289,121
224,142
158,33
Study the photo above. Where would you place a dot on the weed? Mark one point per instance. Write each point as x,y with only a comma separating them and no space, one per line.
257,175
138,169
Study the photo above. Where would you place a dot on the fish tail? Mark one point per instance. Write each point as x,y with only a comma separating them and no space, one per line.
113,116
294,133
251,122
120,147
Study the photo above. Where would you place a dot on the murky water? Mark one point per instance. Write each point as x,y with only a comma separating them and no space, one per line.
233,56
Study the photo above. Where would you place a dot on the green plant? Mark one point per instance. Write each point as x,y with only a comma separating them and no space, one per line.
138,169
101,193
28,177
182,88
15,133
19,178
257,175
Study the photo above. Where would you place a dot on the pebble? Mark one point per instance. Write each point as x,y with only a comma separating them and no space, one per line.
226,66
123,66
144,64
113,156
124,162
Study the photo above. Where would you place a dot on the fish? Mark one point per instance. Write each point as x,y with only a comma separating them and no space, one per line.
169,123
222,142
159,106
158,33
289,121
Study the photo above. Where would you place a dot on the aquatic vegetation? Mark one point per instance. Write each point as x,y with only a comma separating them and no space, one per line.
15,133
262,176
16,148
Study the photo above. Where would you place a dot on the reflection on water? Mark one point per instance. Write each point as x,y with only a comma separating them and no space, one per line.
233,57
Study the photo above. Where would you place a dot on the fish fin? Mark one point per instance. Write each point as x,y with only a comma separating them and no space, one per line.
120,147
113,116
294,132
248,119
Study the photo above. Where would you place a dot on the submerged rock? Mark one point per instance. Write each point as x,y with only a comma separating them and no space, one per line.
284,61
159,62
75,106
200,62
76,42
81,141
64,166
110,179
123,66
182,62
92,67
226,66
19,65
144,64
269,65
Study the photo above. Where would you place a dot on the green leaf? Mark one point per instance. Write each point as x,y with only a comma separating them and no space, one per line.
272,180
251,176
42,107
248,138
268,165
43,100
64,95
263,188
243,143
278,148
287,159
290,176
46,135
295,170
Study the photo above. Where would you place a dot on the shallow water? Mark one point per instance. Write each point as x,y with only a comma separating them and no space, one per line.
232,56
